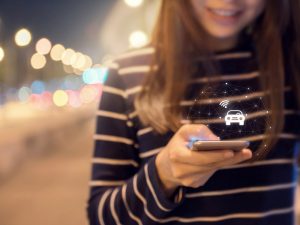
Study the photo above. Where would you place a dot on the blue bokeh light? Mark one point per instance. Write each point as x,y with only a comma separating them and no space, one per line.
95,75
38,87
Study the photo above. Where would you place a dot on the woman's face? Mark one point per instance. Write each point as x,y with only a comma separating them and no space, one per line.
227,18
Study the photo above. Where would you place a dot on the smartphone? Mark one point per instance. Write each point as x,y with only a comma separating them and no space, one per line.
219,145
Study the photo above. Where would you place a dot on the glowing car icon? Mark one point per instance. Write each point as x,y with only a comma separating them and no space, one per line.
235,116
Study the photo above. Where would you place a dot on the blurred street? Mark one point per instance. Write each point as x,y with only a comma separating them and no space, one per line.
51,187
52,69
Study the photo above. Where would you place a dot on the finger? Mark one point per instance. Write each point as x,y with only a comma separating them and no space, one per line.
187,170
200,158
196,132
239,157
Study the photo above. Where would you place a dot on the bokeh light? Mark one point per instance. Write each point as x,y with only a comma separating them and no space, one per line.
36,99
134,3
74,99
46,100
88,94
57,52
43,46
78,60
67,56
38,61
95,75
38,87
138,39
87,63
60,98
2,54
23,37
24,94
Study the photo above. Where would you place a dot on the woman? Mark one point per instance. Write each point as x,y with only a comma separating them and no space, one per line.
143,169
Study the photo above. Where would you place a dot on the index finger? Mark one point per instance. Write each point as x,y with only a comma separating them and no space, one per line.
199,158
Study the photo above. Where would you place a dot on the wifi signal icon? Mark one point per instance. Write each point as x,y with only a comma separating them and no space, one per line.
224,103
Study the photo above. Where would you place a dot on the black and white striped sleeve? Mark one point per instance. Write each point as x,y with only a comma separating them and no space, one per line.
122,190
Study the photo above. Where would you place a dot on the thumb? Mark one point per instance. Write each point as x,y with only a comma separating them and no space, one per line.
192,132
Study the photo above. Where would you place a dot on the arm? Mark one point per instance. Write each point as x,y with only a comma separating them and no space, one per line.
122,191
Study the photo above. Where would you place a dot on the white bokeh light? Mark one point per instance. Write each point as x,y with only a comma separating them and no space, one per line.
43,46
38,61
2,54
23,37
57,52
67,56
134,3
138,39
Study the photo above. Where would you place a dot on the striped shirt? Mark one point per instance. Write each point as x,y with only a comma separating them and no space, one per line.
125,187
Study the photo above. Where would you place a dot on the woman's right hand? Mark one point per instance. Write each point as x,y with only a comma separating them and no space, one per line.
178,166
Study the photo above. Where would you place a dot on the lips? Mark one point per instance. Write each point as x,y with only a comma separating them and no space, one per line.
225,12
224,16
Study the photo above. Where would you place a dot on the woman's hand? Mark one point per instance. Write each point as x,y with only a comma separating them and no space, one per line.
178,166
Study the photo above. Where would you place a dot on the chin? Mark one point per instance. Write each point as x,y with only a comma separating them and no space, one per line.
224,34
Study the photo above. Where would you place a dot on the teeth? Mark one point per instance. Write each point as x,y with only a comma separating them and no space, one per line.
223,12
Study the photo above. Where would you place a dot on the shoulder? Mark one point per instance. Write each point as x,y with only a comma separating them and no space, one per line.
132,59
131,66
140,56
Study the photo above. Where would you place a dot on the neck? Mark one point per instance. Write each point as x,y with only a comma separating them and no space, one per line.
218,44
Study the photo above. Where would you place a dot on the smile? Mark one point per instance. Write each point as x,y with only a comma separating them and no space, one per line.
225,17
225,12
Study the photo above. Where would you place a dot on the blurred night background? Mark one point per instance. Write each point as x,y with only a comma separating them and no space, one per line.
53,62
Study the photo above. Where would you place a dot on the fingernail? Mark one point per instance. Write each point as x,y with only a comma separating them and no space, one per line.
246,155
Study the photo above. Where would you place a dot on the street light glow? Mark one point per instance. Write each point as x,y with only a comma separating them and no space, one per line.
43,46
138,39
88,94
60,98
38,61
2,54
134,3
88,62
57,52
67,55
24,94
77,60
23,37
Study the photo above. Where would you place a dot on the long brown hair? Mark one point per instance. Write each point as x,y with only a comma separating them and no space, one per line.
178,39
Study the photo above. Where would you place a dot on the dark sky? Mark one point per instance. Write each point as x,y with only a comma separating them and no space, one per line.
73,23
